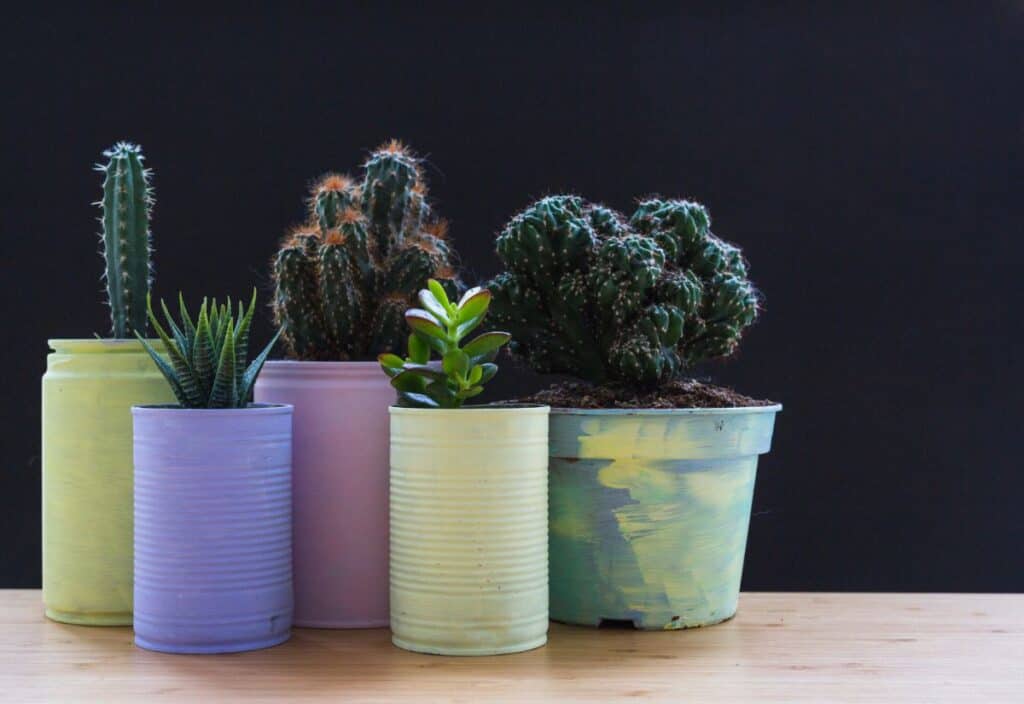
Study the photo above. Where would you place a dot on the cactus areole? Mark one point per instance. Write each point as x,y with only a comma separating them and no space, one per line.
616,301
344,280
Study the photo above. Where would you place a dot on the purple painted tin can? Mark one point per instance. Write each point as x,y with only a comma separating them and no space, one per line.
213,539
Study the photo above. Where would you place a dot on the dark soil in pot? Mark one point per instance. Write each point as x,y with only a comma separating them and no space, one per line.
684,393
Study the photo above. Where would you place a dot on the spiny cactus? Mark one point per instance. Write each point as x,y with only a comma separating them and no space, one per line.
127,202
591,294
208,358
344,280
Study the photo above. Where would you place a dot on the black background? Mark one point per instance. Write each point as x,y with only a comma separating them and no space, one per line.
867,160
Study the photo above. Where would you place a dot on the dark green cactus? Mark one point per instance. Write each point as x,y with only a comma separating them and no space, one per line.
593,295
126,204
345,279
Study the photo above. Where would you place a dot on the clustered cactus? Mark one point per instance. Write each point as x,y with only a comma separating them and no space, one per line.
126,204
207,367
588,293
344,279
440,326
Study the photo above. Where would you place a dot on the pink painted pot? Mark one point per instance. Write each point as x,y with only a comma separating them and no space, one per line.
339,488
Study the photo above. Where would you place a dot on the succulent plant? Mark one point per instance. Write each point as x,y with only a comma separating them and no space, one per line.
344,279
126,204
207,367
440,326
588,293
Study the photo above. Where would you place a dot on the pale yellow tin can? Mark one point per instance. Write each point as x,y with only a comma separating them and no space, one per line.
469,529
88,391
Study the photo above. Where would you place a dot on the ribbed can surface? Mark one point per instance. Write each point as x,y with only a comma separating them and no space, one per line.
88,391
340,488
213,543
649,513
469,563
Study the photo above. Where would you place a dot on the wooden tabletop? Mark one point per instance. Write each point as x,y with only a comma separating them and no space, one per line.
779,648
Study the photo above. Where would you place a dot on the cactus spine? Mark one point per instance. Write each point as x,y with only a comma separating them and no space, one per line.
344,280
126,204
588,293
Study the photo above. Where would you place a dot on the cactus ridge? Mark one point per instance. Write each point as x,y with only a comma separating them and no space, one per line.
609,299
127,204
344,279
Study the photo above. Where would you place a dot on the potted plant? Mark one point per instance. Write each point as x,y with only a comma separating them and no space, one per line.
342,284
469,571
651,476
213,540
87,394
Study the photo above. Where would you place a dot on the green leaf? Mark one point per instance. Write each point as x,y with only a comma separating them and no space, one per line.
439,293
203,355
241,335
419,349
166,370
470,392
489,370
467,327
390,361
224,393
474,304
179,336
186,323
253,370
423,322
455,363
441,392
432,305
485,343
475,374
182,368
417,400
409,381
425,371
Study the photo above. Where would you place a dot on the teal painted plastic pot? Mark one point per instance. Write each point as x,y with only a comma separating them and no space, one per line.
649,511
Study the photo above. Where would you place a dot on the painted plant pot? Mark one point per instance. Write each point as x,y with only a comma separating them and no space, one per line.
340,488
88,391
213,540
469,564
649,513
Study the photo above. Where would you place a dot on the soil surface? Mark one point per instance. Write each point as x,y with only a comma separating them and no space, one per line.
684,393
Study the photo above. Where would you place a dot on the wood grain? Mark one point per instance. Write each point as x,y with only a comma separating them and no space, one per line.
779,648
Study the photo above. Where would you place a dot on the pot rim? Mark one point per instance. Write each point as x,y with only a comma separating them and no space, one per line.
96,345
316,364
252,409
514,408
774,408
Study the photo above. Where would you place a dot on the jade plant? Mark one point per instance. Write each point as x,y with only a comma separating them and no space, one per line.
440,326
126,204
208,363
344,279
616,301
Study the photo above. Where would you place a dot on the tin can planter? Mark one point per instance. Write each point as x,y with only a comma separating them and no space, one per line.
340,488
649,513
213,549
88,391
469,567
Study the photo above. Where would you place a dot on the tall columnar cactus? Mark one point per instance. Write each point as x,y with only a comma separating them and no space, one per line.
126,204
588,293
345,279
